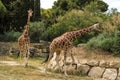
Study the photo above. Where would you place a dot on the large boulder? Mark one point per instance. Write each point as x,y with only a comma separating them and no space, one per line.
83,68
96,72
118,77
110,74
14,52
104,63
115,64
93,62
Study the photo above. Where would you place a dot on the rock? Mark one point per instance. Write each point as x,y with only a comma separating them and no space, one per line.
14,52
104,63
32,51
83,68
115,64
110,74
68,60
93,62
82,61
100,79
118,77
38,45
96,72
71,69
52,64
45,50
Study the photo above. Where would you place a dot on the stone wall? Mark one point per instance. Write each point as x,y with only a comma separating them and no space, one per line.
108,70
40,49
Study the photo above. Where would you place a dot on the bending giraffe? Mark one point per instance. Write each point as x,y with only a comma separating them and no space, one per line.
65,43
24,40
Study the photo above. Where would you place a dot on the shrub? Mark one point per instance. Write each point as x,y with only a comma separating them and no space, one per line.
36,30
10,36
106,41
73,20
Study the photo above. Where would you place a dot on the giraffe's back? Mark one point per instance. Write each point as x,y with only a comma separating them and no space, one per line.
60,43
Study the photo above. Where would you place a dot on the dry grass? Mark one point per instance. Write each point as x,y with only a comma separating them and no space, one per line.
32,72
82,53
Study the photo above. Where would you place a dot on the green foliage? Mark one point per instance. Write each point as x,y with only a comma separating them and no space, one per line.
10,36
73,20
106,41
16,16
46,13
3,9
96,6
62,6
36,30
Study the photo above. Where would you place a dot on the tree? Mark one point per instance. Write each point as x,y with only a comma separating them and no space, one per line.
3,9
36,14
62,6
16,16
97,6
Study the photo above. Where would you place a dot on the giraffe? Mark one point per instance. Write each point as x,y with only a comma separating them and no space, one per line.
24,40
65,43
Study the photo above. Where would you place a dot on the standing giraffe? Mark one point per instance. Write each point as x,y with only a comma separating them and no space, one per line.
65,43
24,40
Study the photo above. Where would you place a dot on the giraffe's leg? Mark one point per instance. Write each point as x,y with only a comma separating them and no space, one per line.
28,50
27,54
65,55
24,55
21,53
20,56
49,59
57,59
27,57
73,59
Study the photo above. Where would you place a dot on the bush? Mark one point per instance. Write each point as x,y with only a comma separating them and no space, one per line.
36,30
73,20
106,41
10,36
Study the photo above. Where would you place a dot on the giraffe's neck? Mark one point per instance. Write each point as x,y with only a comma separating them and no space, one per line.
26,31
28,20
74,34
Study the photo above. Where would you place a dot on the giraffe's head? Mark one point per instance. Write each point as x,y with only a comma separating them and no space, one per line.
30,12
96,27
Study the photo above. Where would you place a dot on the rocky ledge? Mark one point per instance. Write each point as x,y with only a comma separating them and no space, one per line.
108,70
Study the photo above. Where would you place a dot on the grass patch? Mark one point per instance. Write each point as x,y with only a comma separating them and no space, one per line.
32,72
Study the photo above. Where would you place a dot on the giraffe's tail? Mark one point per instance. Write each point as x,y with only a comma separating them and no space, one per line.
48,58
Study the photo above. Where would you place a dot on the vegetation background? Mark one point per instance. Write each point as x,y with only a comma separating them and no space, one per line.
65,15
